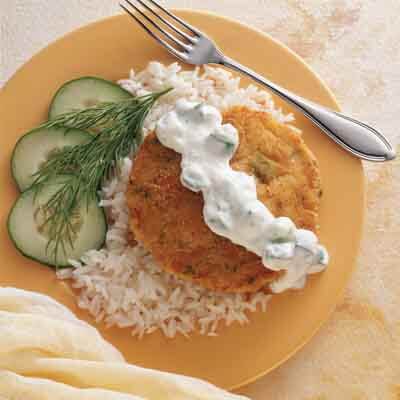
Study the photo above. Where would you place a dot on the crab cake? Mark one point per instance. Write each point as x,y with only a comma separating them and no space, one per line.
168,219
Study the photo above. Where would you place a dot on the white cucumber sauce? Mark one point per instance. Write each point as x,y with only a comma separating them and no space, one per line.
231,208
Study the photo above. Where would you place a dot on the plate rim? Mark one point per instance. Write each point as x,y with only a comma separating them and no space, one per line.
182,10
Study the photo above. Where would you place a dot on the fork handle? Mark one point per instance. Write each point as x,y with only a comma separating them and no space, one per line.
356,137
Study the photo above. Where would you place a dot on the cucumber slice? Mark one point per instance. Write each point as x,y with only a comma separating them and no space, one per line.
85,92
36,146
25,227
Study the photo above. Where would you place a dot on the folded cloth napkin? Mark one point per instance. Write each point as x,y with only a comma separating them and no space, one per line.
48,353
14,386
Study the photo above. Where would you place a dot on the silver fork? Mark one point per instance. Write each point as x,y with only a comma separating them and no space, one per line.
192,46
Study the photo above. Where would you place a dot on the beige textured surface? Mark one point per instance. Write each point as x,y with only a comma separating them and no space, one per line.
354,45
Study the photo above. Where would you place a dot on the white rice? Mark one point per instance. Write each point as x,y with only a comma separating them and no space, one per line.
120,284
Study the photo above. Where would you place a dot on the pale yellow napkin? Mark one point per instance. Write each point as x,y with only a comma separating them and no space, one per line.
47,353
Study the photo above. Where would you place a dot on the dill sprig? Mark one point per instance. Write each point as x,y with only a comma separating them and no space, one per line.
80,170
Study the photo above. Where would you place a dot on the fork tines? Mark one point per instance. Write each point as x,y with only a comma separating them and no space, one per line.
177,36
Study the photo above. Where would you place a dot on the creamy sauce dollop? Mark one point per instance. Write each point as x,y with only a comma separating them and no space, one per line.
231,208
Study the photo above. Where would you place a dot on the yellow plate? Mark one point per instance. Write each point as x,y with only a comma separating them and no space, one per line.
239,354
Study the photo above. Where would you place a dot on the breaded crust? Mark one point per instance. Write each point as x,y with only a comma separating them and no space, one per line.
167,218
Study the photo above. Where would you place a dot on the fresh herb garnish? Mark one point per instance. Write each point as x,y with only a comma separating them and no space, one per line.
84,167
